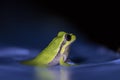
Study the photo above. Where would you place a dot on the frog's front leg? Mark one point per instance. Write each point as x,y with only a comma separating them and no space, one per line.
65,63
62,62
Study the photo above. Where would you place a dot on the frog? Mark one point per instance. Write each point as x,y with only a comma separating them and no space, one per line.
56,52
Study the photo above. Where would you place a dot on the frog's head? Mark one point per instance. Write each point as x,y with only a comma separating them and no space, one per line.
67,39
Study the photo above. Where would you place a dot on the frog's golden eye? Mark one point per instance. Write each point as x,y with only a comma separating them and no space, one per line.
68,37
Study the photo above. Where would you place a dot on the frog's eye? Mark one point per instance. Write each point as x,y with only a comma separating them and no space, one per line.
68,37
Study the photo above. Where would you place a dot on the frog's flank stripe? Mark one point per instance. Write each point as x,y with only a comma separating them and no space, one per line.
55,61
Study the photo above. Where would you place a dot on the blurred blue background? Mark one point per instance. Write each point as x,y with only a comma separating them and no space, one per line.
27,27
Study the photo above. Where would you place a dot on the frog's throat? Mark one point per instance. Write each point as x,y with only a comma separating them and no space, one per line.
56,60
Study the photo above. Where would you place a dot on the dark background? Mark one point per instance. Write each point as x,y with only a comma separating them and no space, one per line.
26,27
98,21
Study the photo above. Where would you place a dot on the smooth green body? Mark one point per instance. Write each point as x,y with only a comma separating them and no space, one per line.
59,45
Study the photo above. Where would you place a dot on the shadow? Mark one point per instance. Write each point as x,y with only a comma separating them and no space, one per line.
78,60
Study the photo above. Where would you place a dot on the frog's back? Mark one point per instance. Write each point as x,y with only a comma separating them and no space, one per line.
49,53
46,55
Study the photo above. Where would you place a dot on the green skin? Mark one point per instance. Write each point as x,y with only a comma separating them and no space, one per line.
55,53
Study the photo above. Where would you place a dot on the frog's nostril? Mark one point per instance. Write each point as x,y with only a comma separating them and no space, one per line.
68,37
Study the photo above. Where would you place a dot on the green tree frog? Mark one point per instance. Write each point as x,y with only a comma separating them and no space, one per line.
55,53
